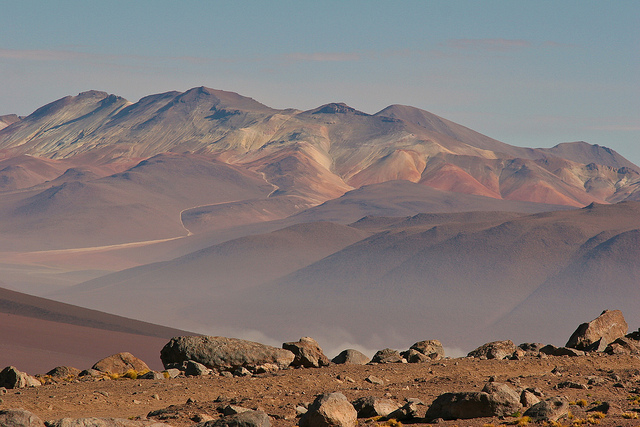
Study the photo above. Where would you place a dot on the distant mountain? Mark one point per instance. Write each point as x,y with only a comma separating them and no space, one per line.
211,208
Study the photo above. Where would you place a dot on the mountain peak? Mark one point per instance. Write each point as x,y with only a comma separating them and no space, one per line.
337,108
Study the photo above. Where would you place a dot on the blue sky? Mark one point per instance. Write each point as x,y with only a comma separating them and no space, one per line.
531,73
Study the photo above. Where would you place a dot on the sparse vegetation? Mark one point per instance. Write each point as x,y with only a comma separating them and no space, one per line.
630,415
522,421
581,403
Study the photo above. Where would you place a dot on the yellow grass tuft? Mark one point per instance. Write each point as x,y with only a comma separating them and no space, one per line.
630,415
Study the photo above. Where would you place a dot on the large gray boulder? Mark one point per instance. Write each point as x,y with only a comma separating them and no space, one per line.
120,363
330,410
597,334
494,350
623,345
548,410
307,353
223,353
495,400
11,377
19,418
351,356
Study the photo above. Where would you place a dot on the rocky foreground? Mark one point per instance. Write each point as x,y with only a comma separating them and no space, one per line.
215,381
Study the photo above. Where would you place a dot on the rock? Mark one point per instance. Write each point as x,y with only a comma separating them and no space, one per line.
371,406
19,418
387,355
409,411
604,407
351,356
11,377
245,419
152,375
374,380
598,333
494,350
548,349
330,410
104,422
433,349
241,372
120,363
195,369
495,400
223,353
307,353
414,356
64,372
90,373
528,398
572,384
173,372
623,345
548,410
234,409
531,347
266,368
566,351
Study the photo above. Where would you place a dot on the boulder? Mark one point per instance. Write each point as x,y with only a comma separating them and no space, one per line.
351,356
414,356
371,406
430,348
494,350
548,410
64,372
567,351
11,377
104,422
330,410
19,418
496,400
623,345
528,398
152,375
387,355
408,411
598,333
195,369
120,363
247,418
307,353
222,353
531,347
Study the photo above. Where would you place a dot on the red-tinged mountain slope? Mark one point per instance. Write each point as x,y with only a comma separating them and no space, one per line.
39,334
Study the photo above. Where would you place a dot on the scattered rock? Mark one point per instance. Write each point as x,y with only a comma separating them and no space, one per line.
195,369
223,353
548,410
11,377
414,356
173,372
433,349
598,333
494,350
408,411
527,398
374,380
603,407
19,418
234,409
120,363
152,375
63,372
623,345
548,349
387,355
104,422
372,406
572,384
496,399
241,372
351,356
330,410
567,351
531,347
307,353
245,419
267,368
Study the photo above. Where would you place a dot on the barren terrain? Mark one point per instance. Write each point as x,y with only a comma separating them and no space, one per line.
616,380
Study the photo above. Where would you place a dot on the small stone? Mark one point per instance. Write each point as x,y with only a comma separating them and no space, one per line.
374,380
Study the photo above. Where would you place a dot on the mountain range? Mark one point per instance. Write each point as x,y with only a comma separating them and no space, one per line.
208,211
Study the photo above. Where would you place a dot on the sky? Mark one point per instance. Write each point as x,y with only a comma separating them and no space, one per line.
528,73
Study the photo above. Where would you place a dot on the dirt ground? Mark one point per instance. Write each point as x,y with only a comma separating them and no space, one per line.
614,379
